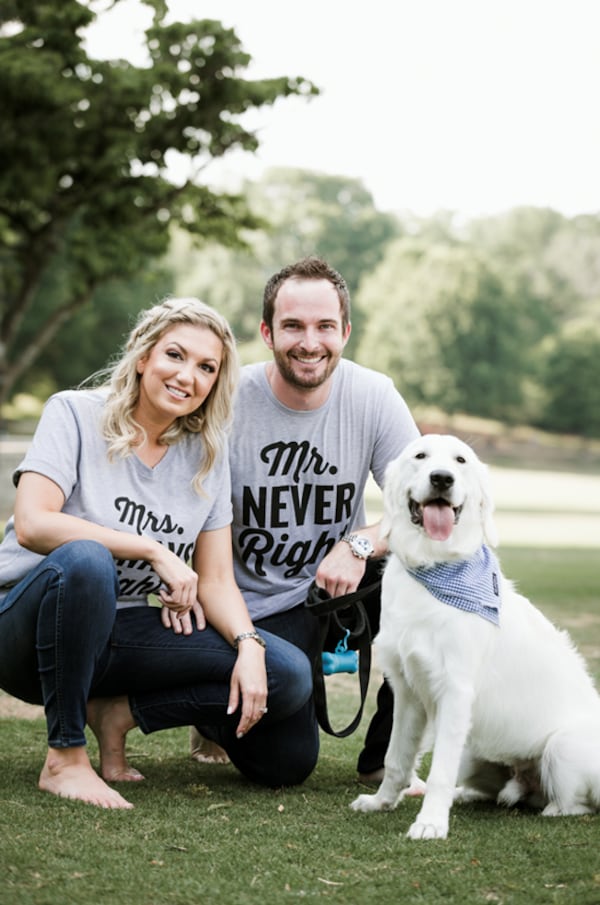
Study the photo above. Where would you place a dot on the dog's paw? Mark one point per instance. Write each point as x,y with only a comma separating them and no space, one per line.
467,794
511,793
416,788
553,809
433,829
367,803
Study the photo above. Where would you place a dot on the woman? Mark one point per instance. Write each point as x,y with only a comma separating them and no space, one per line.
125,493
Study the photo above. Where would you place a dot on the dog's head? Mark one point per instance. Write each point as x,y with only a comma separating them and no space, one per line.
437,502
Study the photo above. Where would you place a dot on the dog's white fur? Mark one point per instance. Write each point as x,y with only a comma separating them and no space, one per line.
513,712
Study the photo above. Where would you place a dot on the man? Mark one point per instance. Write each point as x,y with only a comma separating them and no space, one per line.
310,426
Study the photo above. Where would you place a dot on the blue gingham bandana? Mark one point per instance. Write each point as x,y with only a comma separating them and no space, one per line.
472,584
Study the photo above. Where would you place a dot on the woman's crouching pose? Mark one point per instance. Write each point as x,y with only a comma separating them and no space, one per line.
124,496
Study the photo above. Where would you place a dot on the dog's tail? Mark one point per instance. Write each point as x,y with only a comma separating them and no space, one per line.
570,769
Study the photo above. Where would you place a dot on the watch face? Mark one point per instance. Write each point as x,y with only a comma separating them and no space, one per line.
363,546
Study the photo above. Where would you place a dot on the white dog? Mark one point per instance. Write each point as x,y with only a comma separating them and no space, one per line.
512,710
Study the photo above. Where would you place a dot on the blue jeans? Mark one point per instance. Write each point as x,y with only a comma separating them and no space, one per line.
62,641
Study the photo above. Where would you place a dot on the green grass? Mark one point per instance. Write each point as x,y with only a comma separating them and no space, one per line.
201,835
565,585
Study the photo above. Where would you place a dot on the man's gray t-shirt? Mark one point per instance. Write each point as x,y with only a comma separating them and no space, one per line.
298,477
124,494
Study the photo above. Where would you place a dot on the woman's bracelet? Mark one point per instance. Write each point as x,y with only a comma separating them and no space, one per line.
254,635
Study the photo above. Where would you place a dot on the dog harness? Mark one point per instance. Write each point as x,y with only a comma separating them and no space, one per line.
472,584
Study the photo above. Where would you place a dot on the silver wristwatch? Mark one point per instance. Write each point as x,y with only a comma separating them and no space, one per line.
360,545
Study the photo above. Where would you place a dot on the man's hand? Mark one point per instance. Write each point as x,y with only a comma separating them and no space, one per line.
183,625
340,572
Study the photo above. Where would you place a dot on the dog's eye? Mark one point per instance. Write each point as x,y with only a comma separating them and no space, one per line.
420,455
461,460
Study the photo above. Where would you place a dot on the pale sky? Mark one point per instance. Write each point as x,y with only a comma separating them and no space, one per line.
474,106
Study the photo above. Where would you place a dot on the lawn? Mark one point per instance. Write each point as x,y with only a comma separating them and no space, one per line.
201,835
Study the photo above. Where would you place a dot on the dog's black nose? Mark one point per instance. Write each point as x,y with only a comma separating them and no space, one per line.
441,480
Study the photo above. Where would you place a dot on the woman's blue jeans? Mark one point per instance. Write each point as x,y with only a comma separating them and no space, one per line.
63,641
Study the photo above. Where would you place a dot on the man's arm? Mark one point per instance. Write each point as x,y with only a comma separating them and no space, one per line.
341,571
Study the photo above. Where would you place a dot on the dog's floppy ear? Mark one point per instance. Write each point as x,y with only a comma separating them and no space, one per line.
490,532
385,526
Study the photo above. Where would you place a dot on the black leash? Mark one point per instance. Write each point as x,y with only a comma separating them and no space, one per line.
357,629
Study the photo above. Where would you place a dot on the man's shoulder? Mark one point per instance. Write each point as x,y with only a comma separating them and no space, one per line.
359,375
251,372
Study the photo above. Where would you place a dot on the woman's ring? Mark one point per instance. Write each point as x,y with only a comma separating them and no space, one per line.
263,709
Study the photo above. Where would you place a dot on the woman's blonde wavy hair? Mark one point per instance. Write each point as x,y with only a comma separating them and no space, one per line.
211,420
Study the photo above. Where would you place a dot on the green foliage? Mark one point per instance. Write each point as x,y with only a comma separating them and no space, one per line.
463,318
304,213
572,380
331,216
446,326
89,340
558,258
231,281
85,150
475,317
483,318
318,213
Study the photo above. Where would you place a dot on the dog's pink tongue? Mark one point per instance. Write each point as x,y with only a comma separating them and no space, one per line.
438,520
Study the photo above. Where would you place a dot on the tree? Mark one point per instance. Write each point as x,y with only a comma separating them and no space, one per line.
84,190
304,213
449,329
523,241
89,341
331,216
572,380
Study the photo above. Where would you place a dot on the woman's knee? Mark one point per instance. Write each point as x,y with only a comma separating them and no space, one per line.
85,582
88,563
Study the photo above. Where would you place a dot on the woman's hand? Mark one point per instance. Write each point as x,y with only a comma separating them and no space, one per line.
180,582
42,526
248,685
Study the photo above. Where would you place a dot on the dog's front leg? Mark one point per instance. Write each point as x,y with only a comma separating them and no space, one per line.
452,723
407,731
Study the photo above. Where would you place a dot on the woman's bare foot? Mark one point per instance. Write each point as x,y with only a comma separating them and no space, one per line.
110,719
68,773
205,751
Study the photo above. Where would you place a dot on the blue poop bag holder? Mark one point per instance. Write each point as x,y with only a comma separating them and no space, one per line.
341,660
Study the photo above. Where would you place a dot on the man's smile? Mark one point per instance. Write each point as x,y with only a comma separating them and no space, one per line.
307,359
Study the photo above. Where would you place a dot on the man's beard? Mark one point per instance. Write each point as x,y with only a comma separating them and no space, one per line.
310,382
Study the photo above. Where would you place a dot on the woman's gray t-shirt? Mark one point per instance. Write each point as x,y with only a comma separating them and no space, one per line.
124,493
